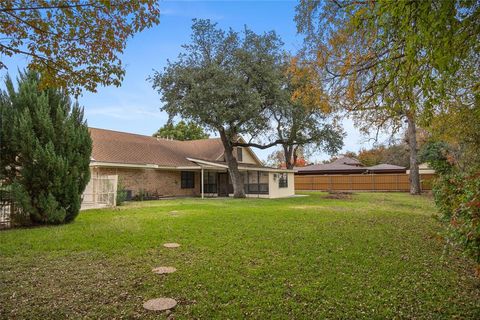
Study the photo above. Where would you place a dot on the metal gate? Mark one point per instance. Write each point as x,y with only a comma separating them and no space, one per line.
6,208
100,192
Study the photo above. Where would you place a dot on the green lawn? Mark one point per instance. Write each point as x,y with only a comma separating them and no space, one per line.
371,256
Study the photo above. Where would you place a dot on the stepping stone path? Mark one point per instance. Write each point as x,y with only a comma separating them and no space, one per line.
160,304
171,245
163,270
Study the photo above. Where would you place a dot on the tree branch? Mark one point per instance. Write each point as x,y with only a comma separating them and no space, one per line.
65,6
257,145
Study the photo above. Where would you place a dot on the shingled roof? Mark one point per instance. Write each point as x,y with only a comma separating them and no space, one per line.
128,148
386,167
337,167
330,168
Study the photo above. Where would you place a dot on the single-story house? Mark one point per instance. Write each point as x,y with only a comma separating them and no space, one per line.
165,167
348,165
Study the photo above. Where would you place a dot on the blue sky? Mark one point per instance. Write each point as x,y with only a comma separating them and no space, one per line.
134,107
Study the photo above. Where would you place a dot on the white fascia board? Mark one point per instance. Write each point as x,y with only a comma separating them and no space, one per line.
240,167
208,163
142,166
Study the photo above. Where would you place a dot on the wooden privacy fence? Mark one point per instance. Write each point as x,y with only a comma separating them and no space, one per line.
360,182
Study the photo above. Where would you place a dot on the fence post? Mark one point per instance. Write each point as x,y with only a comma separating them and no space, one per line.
373,181
397,182
351,183
331,183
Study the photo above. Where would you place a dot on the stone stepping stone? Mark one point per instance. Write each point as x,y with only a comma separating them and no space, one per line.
171,245
163,270
160,304
173,213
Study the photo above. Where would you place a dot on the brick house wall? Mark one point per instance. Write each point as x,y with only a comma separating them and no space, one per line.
152,181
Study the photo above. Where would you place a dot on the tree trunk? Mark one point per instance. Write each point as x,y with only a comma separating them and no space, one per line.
295,156
235,176
412,143
291,156
287,152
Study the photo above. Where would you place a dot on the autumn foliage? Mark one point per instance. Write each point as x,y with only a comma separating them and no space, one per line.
307,86
74,44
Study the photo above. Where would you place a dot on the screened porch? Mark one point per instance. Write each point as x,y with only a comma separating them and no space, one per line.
218,183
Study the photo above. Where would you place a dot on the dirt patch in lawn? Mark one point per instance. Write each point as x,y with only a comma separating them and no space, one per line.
343,195
323,208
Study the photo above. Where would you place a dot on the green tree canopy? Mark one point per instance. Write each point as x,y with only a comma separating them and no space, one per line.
45,151
74,44
225,81
181,131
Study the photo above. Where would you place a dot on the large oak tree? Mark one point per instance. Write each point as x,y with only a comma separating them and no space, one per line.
225,81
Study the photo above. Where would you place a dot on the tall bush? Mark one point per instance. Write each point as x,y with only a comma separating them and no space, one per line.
457,196
121,194
46,150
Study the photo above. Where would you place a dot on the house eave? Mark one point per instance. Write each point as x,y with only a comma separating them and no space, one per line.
240,167
140,166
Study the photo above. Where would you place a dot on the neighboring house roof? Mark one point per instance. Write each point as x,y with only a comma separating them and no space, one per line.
334,168
329,168
348,161
384,167
128,148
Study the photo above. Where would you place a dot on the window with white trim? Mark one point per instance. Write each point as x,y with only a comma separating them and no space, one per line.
239,154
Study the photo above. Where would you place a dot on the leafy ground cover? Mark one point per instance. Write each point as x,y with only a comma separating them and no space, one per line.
365,256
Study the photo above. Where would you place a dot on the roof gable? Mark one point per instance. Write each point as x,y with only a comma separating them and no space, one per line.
247,149
347,161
